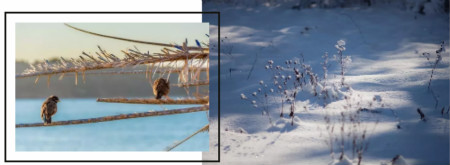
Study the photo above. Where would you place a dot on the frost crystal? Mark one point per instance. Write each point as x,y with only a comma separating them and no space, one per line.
347,60
340,45
243,96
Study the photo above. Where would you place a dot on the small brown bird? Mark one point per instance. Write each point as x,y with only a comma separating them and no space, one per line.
161,88
49,108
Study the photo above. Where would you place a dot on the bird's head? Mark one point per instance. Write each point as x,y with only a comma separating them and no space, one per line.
54,98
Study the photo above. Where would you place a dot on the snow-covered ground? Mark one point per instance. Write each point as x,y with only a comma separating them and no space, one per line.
386,46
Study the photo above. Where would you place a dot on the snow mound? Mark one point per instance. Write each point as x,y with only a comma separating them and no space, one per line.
344,161
399,160
285,125
237,130
242,130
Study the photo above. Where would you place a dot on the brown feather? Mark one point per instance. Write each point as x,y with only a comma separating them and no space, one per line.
161,88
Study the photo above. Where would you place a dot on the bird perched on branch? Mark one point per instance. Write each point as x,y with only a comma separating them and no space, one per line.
161,88
49,108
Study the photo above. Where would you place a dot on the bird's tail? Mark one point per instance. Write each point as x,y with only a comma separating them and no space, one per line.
159,95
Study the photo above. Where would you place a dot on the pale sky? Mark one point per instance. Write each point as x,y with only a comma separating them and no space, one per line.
38,41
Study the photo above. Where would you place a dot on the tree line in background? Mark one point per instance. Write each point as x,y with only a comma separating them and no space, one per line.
422,7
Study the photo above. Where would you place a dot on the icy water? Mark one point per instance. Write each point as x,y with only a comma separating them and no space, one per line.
139,134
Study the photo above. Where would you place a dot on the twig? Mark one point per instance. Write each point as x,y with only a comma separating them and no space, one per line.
204,129
118,117
357,26
199,83
204,100
422,115
118,72
136,41
436,100
253,66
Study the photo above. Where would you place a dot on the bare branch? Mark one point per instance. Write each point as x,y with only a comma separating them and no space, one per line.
199,83
118,117
204,100
203,129
136,41
86,65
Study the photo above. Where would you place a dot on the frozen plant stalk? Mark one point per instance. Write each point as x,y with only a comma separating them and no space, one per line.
343,61
438,59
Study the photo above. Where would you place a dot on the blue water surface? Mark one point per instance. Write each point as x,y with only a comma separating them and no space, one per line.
139,134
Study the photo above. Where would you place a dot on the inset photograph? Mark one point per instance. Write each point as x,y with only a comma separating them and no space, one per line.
112,87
